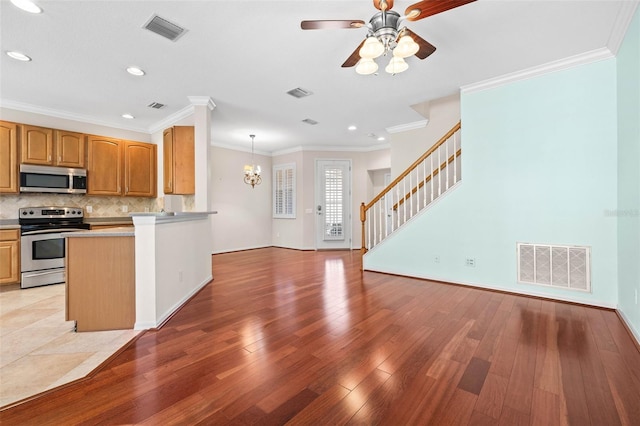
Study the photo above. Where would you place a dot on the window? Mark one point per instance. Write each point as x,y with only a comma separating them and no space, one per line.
284,191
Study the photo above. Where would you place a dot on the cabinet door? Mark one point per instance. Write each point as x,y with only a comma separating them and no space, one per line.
167,161
36,145
104,168
69,149
140,169
8,158
9,256
183,160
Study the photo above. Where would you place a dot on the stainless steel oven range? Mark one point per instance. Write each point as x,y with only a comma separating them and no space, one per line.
42,248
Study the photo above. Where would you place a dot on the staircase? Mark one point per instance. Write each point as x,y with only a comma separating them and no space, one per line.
429,177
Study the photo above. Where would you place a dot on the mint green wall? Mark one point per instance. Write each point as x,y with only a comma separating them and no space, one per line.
539,165
628,72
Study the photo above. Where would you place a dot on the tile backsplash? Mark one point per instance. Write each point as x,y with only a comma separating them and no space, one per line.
101,206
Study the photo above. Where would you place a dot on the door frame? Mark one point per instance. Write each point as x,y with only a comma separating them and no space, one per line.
348,241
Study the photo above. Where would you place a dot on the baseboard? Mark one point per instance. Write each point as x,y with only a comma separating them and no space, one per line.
145,325
239,249
627,324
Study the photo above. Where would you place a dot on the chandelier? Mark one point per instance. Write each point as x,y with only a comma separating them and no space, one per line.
383,38
252,172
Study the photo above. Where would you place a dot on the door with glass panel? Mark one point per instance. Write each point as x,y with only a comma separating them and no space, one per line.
333,204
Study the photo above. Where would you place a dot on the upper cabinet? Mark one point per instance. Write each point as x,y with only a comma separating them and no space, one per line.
179,160
140,168
104,166
8,158
69,148
117,167
47,147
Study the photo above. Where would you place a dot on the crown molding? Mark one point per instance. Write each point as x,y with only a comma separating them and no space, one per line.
408,126
21,106
550,67
623,20
336,148
170,120
202,101
240,149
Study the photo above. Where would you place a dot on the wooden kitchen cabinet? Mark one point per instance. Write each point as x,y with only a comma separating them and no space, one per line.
117,167
69,149
179,160
8,158
100,292
9,256
50,147
104,166
36,145
140,168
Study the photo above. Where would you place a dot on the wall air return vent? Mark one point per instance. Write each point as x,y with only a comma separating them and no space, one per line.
555,266
156,105
310,121
165,28
299,93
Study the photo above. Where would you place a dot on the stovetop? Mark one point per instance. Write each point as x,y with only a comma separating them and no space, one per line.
51,214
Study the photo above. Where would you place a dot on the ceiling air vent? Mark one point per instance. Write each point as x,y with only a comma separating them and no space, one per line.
299,93
156,105
165,28
310,121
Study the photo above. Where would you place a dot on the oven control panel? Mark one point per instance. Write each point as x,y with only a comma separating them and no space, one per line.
50,212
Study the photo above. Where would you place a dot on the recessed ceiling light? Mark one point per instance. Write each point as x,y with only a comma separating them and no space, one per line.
19,56
135,71
27,6
128,116
352,127
381,138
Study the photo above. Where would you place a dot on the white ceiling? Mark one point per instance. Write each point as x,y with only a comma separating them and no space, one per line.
246,55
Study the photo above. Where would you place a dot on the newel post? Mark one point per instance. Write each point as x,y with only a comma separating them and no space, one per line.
363,218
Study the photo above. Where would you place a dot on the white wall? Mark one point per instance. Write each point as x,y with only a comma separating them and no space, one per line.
244,213
406,147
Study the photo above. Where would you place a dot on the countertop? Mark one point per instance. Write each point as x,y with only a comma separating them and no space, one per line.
108,232
119,220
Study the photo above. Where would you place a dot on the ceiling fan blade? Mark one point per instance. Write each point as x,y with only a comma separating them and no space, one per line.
354,58
426,48
331,24
383,4
426,8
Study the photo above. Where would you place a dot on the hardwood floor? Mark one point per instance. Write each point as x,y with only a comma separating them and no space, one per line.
283,336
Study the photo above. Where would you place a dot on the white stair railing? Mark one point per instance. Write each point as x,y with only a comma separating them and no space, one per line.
426,179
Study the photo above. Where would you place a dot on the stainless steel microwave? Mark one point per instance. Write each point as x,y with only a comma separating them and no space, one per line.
52,179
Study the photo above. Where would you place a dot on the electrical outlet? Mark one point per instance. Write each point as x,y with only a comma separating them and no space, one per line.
180,277
125,209
471,262
636,291
436,259
89,209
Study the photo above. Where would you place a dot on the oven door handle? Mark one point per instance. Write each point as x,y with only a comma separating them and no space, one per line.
51,231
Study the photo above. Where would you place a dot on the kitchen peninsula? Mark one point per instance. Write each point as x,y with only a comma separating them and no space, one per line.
136,278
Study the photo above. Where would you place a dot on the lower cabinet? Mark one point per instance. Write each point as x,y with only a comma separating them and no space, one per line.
9,256
100,291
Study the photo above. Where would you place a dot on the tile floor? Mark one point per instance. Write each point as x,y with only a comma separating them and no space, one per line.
39,349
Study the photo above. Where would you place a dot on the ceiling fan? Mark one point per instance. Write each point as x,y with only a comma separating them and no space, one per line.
385,34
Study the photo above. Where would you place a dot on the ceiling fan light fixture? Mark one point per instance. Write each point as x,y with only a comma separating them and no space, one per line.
396,65
366,66
372,48
406,47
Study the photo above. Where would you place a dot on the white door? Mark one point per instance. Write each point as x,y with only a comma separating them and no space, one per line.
333,204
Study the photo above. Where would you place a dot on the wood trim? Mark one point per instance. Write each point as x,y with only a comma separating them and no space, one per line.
428,178
414,165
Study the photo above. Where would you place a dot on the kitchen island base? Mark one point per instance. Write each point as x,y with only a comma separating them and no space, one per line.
101,282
